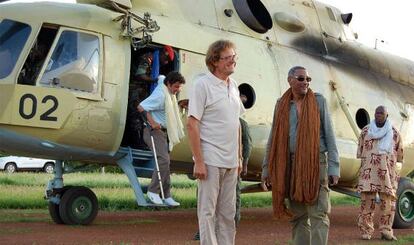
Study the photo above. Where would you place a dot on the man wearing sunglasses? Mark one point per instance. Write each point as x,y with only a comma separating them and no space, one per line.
301,153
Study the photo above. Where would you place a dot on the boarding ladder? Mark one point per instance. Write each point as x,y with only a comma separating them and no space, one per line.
137,163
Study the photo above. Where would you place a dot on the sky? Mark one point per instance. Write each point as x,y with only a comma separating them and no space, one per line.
387,21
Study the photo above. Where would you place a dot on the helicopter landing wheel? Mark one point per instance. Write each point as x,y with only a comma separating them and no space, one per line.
404,213
54,208
78,206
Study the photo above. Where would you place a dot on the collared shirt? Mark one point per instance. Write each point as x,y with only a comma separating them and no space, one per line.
217,107
327,137
155,105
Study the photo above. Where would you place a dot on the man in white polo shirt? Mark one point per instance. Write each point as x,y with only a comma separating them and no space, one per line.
213,130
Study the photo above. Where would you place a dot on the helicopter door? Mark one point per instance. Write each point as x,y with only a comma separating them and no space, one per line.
331,25
72,71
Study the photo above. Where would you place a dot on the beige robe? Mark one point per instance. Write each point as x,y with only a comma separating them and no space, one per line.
378,171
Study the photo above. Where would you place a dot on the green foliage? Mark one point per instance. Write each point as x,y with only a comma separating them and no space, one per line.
341,199
26,191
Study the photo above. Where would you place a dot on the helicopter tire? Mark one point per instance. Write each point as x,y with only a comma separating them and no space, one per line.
404,212
54,213
54,208
79,206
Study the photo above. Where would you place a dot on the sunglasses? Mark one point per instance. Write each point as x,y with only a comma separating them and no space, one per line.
301,79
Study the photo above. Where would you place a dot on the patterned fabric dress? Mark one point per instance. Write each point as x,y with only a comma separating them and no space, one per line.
378,171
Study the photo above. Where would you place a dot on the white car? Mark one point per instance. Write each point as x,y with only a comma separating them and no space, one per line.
12,164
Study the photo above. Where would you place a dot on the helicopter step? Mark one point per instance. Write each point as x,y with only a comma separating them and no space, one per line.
142,161
139,163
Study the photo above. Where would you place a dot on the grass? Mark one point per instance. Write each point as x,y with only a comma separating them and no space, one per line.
26,191
402,240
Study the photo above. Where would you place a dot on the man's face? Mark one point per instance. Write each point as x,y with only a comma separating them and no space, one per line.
299,82
227,62
175,87
380,115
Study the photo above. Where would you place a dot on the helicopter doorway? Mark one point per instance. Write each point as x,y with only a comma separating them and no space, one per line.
147,64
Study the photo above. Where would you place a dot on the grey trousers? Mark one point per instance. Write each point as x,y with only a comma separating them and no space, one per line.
311,222
237,216
216,206
163,157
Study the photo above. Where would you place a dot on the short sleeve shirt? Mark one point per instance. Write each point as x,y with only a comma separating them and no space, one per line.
217,106
155,104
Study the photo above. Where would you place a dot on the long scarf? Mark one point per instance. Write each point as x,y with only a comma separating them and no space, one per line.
175,128
384,135
303,185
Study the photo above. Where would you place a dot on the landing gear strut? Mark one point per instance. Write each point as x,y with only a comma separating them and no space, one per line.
70,205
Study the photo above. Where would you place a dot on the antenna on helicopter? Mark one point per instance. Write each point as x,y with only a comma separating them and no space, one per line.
147,25
379,41
127,19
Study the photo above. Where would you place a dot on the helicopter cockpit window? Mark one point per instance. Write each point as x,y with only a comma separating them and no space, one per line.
37,56
13,36
74,63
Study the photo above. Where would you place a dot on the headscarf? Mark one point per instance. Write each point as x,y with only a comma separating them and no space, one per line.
383,134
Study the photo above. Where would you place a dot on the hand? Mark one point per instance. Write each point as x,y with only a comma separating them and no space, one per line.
239,168
244,170
200,171
266,184
333,180
156,126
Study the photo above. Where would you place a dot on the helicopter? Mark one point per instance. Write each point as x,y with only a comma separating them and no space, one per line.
65,77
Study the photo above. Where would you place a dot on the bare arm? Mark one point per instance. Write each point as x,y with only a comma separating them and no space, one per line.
200,170
240,158
360,144
399,149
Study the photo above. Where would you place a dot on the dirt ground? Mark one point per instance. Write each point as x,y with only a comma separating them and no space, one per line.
174,227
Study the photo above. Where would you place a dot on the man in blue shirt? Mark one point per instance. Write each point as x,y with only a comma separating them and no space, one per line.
161,111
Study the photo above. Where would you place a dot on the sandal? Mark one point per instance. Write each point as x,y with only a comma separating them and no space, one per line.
366,237
388,237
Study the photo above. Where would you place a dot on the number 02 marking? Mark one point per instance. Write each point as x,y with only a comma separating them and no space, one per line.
31,99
